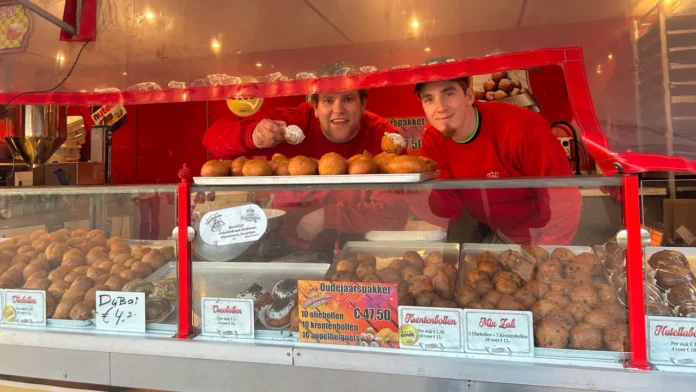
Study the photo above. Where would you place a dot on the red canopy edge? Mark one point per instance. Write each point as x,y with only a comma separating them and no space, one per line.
518,60
570,58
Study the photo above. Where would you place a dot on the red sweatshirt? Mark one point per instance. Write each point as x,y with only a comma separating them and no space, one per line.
353,212
511,142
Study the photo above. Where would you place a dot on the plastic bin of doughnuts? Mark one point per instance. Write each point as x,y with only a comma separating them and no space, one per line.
566,288
674,275
72,265
426,274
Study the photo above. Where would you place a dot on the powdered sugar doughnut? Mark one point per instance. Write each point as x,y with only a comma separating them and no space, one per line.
294,135
393,143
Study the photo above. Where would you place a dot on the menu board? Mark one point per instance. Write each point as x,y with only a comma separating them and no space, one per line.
359,314
430,328
498,332
672,341
24,307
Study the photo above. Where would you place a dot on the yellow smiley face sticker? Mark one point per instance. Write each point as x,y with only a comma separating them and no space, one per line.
9,314
245,107
408,335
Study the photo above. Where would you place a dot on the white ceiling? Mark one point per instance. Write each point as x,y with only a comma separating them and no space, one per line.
184,28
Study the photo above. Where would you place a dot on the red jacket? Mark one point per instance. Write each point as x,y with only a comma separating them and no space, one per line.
511,142
345,211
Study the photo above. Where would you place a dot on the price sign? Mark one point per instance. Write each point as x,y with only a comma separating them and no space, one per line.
120,311
24,307
359,314
430,328
499,332
229,318
672,341
233,225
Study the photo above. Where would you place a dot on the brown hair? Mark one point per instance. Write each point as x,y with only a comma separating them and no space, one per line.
462,82
361,93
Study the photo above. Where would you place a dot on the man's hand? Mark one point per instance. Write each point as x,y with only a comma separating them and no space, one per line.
268,133
311,225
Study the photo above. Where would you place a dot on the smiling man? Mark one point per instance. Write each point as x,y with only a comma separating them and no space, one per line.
494,140
332,122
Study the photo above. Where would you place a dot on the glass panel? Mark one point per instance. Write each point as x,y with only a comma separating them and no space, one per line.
523,244
670,262
72,242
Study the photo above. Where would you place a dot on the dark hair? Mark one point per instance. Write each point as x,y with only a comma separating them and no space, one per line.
463,82
361,93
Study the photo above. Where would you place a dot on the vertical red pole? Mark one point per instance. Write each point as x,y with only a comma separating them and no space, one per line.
634,273
185,327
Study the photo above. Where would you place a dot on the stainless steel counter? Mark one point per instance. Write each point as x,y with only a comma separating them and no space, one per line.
202,365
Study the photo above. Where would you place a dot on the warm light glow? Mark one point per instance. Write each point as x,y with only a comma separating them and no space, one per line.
259,65
610,56
60,57
428,49
599,68
415,24
149,15
125,74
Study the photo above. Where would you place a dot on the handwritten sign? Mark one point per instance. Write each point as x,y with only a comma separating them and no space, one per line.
358,314
233,225
120,311
672,341
498,332
24,307
228,317
430,328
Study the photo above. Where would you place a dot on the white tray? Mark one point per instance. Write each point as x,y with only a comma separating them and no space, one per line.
60,323
319,180
427,236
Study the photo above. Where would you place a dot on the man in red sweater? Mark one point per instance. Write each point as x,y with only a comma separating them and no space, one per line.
494,140
333,122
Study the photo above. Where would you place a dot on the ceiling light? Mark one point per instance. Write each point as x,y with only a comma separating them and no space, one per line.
259,65
428,49
149,15
415,24
125,74
610,56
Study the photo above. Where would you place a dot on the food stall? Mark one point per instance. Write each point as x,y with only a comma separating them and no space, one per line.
203,281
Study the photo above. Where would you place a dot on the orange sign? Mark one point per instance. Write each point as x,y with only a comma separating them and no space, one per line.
358,314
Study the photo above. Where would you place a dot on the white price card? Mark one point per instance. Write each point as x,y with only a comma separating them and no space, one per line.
245,223
672,341
500,332
24,307
228,317
430,328
120,311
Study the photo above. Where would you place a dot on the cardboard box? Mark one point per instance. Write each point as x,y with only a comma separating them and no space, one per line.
680,222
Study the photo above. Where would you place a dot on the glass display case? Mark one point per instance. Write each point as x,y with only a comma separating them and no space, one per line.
540,259
670,283
72,243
